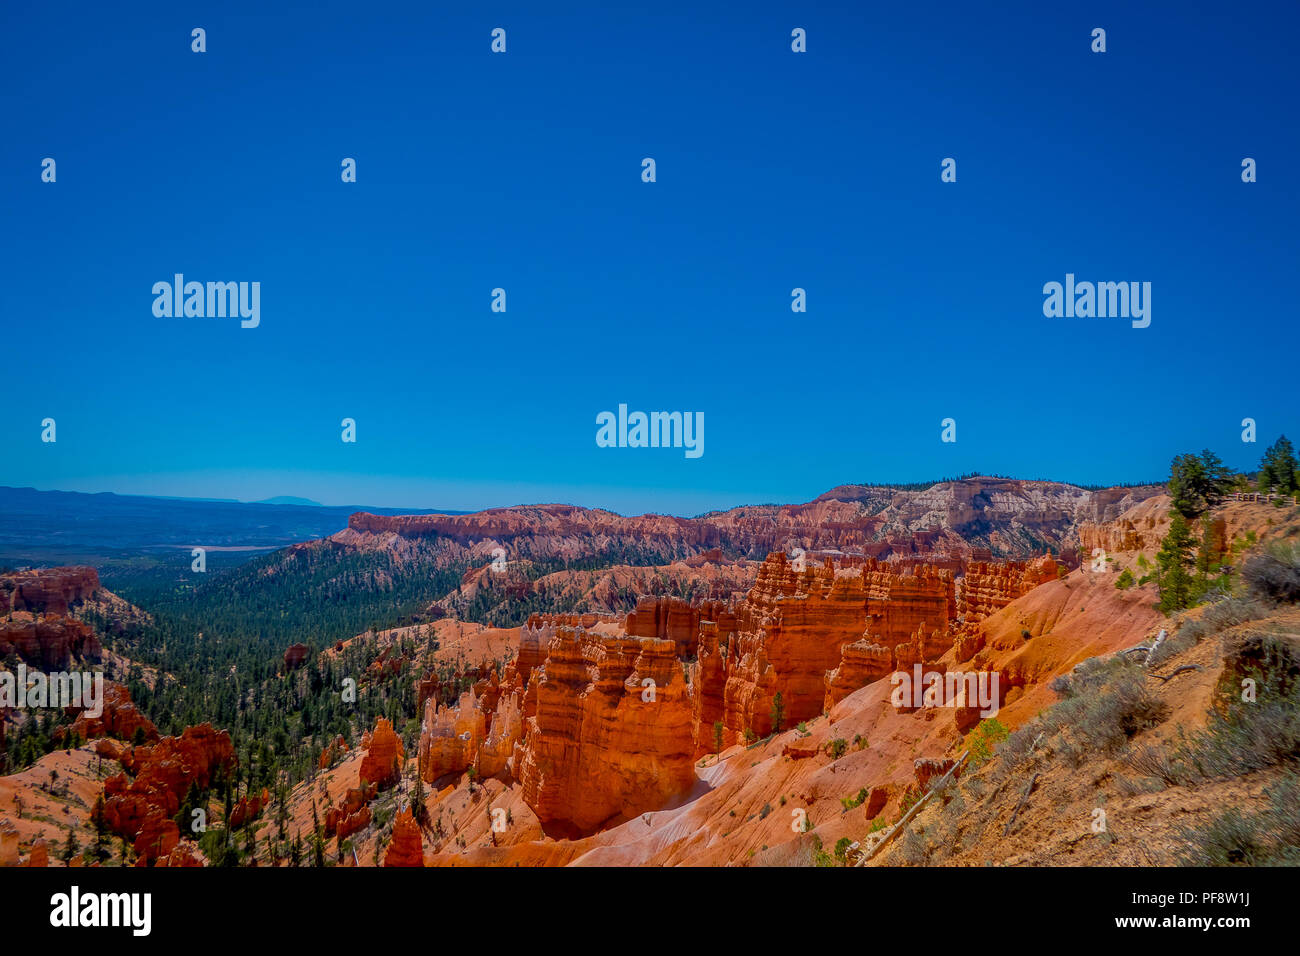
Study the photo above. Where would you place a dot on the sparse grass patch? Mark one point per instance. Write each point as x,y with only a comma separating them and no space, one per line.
1222,614
850,802
1017,748
1284,813
1230,839
1130,787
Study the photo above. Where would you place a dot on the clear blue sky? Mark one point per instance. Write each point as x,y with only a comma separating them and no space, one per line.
522,171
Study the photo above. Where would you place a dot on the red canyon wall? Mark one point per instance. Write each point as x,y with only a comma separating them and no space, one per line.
33,616
601,718
987,588
46,590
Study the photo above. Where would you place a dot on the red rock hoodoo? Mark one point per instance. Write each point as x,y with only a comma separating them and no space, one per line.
141,809
612,734
791,630
986,588
49,641
407,847
295,656
382,764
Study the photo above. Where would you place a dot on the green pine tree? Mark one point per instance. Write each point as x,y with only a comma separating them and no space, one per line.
1278,468
1205,555
1198,482
69,848
1174,560
101,828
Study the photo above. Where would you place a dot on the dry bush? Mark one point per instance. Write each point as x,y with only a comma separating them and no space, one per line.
1229,839
1243,736
912,848
1106,717
1155,763
1270,837
1274,575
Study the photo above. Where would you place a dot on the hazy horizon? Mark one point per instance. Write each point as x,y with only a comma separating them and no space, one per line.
445,508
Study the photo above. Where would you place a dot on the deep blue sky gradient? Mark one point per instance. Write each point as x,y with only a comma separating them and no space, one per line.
522,170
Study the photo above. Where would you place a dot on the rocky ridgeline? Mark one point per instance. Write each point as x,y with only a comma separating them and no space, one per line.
47,590
601,718
949,523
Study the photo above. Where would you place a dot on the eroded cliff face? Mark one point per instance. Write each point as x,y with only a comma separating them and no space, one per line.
450,736
50,641
47,590
862,662
792,630
948,523
988,587
677,620
996,510
611,735
119,717
601,718
591,717
788,635
141,809
35,621
1140,528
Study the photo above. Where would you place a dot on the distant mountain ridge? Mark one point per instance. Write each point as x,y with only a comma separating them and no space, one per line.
70,526
958,520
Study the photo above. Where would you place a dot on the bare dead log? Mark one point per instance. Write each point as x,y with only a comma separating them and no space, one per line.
1160,639
1023,800
898,827
1176,671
